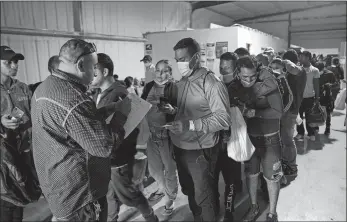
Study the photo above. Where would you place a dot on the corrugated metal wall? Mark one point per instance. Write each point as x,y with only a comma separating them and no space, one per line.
129,19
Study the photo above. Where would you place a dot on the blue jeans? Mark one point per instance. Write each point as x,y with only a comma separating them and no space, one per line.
268,154
289,150
10,212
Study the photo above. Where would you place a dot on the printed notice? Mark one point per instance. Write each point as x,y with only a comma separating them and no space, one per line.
221,47
210,50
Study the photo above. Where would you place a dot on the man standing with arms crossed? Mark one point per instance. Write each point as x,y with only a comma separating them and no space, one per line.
203,111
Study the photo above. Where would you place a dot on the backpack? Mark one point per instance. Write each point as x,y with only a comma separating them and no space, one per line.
284,89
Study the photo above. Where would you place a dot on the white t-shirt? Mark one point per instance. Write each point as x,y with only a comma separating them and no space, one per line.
312,73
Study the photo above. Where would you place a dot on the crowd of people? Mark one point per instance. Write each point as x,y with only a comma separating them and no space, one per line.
55,138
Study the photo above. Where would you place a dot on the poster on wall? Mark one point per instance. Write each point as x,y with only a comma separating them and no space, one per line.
203,48
210,64
221,47
148,49
203,59
210,50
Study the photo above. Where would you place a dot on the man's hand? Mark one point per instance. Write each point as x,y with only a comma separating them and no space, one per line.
178,127
12,123
167,109
249,113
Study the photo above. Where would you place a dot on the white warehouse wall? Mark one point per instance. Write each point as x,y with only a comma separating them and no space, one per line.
125,19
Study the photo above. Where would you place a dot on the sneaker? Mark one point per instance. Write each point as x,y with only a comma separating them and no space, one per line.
327,131
169,210
289,170
312,138
252,213
299,137
271,218
156,196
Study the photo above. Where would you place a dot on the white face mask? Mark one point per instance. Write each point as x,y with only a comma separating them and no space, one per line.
183,67
278,71
160,83
247,84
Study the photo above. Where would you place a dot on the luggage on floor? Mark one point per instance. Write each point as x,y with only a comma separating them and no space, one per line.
240,147
317,115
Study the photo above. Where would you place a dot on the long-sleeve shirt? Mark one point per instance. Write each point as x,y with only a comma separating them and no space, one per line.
203,98
71,145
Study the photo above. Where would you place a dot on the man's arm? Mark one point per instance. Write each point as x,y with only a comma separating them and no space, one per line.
292,68
316,76
274,109
218,100
89,130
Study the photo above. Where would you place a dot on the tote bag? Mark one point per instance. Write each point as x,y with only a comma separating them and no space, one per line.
341,100
240,147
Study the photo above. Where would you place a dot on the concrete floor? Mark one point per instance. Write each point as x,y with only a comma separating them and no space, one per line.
317,194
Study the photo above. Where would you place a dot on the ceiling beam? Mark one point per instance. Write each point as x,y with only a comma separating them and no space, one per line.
287,12
297,19
199,5
318,30
220,13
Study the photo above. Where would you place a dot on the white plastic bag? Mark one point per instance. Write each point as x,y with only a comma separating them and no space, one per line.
240,147
340,100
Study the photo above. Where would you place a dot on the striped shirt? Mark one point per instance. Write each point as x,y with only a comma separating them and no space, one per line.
71,145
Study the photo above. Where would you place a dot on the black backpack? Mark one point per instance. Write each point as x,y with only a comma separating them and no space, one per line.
284,89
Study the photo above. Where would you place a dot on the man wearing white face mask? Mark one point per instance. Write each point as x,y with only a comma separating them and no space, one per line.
161,165
202,112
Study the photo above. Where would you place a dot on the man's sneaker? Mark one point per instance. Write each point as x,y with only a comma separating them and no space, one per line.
252,213
299,137
289,170
312,138
168,210
271,218
327,131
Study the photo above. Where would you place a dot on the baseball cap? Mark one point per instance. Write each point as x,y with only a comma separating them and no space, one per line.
269,49
7,54
74,49
146,58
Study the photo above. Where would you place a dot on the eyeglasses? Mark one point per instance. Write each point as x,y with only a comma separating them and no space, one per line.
88,48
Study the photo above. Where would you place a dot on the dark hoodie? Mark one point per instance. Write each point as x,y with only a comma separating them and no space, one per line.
126,151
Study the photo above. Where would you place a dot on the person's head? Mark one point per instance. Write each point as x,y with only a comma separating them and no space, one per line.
53,63
187,55
270,52
335,61
147,60
305,58
136,82
103,70
115,76
263,59
78,58
320,66
242,52
291,55
163,71
277,66
227,63
248,70
9,61
129,81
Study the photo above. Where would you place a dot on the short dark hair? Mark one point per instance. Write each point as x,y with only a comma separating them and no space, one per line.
106,63
320,66
166,62
242,52
229,56
307,54
53,63
128,80
291,55
335,61
115,76
249,62
263,59
188,43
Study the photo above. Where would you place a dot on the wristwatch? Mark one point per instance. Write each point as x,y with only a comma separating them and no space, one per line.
191,125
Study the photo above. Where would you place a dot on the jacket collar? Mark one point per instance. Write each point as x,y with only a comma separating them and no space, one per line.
14,82
70,78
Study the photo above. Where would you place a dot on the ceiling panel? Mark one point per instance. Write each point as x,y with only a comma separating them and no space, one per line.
258,8
232,10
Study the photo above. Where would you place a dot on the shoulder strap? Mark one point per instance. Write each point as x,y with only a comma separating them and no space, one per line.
146,90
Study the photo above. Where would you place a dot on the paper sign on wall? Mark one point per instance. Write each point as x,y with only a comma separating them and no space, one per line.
210,50
221,47
210,64
148,49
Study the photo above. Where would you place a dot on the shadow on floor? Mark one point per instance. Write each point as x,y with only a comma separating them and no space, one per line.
303,147
336,113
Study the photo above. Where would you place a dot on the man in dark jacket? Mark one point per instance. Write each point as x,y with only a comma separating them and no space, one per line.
339,75
327,83
122,188
296,77
15,130
262,110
